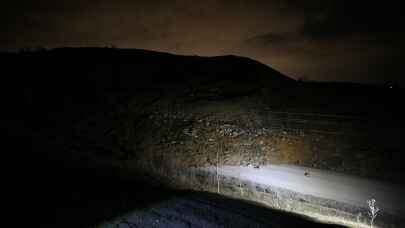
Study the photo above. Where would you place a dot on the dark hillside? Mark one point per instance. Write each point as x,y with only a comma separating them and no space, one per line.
79,117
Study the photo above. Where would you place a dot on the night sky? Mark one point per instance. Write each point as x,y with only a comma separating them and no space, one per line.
327,40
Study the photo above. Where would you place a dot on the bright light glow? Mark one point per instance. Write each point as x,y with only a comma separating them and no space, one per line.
335,220
350,190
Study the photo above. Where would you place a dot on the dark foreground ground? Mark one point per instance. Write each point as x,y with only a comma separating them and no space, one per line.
197,209
88,197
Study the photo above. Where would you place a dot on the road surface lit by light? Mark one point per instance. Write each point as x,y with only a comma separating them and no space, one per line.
324,184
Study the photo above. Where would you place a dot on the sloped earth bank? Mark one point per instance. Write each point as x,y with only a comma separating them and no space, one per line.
173,136
178,142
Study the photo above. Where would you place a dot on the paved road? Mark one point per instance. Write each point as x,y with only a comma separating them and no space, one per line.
198,209
330,185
